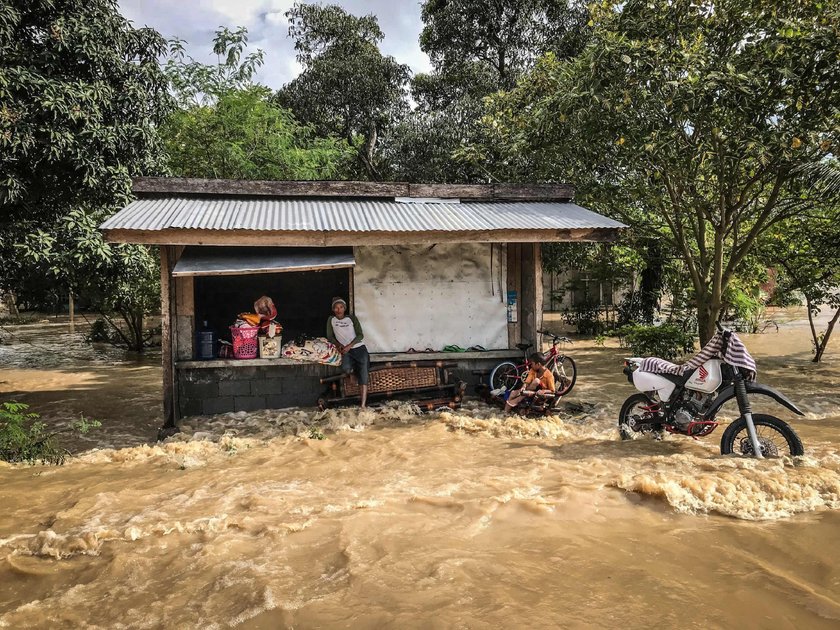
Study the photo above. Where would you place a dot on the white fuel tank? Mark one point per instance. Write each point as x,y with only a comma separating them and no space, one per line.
650,382
707,378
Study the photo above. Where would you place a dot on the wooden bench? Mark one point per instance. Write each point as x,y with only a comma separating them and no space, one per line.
429,384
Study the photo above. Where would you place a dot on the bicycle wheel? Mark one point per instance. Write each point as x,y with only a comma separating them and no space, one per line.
506,375
565,374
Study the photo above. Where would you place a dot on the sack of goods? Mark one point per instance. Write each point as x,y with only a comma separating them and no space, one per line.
318,350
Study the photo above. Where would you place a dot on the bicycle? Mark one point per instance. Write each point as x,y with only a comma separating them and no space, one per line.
510,375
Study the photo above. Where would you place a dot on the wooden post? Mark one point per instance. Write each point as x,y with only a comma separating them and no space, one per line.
72,308
514,283
167,363
532,292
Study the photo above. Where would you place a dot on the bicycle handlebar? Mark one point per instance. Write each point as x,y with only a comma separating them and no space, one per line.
555,337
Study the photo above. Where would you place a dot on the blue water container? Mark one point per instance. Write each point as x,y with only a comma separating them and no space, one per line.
205,343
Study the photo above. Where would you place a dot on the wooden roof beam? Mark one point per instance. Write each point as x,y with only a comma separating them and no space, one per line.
262,188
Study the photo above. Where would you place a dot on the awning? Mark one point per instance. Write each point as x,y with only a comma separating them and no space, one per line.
210,261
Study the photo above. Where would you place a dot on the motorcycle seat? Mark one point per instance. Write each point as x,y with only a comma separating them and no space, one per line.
667,370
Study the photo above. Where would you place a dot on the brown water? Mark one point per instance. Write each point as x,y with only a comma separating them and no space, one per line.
454,520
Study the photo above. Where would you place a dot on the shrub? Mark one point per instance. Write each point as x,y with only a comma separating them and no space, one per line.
24,438
667,341
585,318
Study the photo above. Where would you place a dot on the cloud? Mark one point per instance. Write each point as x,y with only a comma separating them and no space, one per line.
195,21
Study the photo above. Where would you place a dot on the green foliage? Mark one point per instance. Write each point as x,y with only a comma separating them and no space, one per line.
243,135
694,120
81,94
745,301
347,88
495,41
115,279
196,84
667,341
587,319
316,434
24,438
476,49
805,251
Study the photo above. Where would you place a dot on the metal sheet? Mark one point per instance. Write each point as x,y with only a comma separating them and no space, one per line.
207,261
417,296
352,215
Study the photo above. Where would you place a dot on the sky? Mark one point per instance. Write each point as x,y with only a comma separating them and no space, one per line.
195,21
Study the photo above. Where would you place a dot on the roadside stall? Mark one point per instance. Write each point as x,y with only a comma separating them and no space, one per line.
436,273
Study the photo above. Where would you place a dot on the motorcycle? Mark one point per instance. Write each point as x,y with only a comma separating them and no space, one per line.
685,399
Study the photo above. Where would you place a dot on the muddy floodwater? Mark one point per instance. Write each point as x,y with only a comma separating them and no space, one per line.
402,520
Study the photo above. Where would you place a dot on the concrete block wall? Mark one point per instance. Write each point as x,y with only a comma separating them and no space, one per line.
212,390
206,391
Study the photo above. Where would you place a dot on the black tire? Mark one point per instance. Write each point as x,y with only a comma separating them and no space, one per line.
626,424
505,374
565,375
735,439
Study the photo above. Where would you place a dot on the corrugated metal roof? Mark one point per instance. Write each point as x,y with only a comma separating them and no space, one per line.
351,215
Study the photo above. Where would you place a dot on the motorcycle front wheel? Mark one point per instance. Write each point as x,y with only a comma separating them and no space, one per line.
776,438
636,418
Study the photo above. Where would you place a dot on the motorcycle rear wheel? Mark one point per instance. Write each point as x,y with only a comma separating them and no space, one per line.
776,437
634,420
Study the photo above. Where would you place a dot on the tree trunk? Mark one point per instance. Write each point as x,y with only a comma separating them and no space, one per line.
708,314
820,347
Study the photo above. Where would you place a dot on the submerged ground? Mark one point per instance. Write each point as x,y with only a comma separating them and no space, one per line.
450,520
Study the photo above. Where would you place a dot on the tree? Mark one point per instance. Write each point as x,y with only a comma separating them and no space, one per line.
245,136
695,115
81,94
195,84
81,98
476,48
499,41
348,88
228,127
115,280
806,251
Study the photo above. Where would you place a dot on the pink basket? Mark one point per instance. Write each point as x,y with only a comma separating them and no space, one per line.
245,344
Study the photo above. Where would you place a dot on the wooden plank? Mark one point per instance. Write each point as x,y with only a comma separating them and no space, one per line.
326,239
451,191
233,187
533,192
